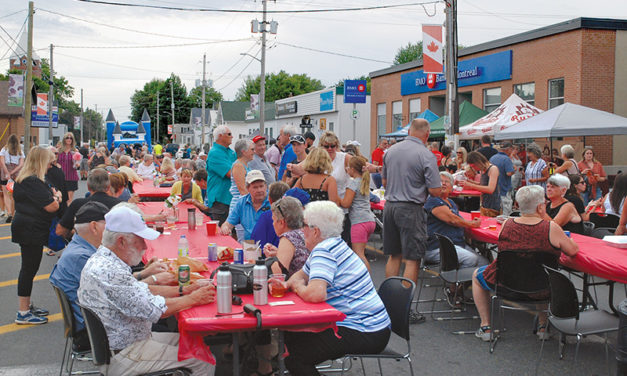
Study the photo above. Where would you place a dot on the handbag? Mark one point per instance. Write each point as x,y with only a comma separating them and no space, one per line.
55,242
242,275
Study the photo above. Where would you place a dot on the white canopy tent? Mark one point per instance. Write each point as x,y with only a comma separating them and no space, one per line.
510,112
567,120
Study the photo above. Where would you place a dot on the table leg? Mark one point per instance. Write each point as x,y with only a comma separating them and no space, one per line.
235,354
281,359
586,293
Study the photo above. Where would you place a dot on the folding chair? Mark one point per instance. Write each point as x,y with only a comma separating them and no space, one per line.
520,279
70,332
568,320
397,294
604,220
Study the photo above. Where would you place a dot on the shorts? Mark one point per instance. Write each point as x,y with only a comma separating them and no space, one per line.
362,231
404,230
3,182
84,166
484,284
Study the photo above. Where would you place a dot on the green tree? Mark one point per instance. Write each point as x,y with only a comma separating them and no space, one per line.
278,85
212,97
340,83
411,52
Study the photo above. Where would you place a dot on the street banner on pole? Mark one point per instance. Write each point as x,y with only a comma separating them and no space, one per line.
16,90
39,112
77,122
254,102
432,56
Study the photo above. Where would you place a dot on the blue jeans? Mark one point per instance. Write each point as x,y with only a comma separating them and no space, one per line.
376,179
586,196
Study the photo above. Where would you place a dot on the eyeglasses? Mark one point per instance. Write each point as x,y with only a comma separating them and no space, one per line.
228,134
459,152
329,146
68,138
582,182
278,206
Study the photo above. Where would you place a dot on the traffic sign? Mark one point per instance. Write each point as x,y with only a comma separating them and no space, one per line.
355,114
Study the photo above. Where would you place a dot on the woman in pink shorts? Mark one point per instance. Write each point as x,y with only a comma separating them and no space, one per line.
357,200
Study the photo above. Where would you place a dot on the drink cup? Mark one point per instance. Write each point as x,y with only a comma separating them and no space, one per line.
277,290
492,227
475,214
567,233
159,225
212,228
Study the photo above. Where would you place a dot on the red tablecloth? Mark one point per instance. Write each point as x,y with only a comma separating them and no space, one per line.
594,256
146,188
465,192
197,322
166,244
156,207
377,205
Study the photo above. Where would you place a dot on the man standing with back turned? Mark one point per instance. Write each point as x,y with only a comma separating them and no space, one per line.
410,174
219,162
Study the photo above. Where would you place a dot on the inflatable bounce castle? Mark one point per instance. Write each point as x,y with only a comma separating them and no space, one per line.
129,132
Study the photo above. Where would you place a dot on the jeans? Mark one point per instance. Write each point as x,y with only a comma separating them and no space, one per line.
466,258
376,179
586,195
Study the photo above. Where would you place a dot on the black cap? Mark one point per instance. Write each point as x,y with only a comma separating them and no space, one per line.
91,211
310,135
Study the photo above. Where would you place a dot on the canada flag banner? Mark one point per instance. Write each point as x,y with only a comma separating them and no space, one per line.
42,104
432,55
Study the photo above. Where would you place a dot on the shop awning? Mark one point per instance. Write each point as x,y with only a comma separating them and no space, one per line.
468,113
428,115
567,120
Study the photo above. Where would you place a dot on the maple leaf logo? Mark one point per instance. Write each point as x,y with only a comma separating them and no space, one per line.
432,47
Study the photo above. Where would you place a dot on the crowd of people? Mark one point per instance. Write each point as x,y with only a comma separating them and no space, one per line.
307,205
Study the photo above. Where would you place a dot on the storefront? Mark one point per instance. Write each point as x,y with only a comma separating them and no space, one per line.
582,61
323,110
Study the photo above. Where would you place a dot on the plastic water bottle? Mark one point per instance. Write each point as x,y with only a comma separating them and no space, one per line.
260,283
183,246
224,289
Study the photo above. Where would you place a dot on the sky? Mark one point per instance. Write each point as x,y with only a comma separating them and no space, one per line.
112,51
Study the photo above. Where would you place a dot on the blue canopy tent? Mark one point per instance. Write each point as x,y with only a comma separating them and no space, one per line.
428,115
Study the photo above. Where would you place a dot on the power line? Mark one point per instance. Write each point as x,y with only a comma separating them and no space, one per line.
160,46
120,27
14,13
240,73
334,53
259,11
14,41
237,62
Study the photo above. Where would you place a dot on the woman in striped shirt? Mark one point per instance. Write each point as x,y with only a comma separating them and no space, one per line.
536,173
335,274
68,164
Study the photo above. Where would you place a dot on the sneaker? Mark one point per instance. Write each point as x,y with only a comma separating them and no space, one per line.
543,333
30,319
416,318
453,301
9,219
483,333
38,311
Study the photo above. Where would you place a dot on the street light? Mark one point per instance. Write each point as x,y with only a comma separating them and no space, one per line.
247,54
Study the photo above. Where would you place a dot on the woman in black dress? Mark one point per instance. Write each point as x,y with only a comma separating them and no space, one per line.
35,205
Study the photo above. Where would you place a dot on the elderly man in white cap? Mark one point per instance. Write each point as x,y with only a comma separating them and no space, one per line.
249,207
128,308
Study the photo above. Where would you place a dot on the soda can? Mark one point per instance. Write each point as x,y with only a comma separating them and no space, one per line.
212,252
567,233
184,275
238,256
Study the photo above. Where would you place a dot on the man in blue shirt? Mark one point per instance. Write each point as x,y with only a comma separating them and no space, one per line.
219,163
288,154
249,207
66,274
506,170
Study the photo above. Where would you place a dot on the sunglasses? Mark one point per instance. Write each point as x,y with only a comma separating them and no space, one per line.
329,146
68,138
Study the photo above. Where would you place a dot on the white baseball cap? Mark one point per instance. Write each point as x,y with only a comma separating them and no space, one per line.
253,176
126,220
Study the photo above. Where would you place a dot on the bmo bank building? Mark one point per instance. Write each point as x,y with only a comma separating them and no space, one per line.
581,61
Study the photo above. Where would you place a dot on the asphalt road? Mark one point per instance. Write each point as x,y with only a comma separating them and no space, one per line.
37,350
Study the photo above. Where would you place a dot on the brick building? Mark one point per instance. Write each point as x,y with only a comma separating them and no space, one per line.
582,61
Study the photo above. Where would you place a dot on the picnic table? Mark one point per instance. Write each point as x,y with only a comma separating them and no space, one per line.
146,189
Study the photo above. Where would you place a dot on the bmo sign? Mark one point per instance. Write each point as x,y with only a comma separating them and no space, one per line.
354,91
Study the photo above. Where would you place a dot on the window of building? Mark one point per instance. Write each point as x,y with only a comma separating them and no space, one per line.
397,115
414,108
526,91
491,98
556,92
331,126
381,118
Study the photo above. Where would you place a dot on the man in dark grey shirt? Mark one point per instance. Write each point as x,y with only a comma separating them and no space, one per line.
410,174
260,162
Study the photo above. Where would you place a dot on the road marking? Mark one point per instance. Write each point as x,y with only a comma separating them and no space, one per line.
15,327
5,224
5,237
14,281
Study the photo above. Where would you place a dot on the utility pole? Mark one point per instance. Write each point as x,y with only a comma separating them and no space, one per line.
262,91
82,122
50,97
172,104
157,133
29,79
204,85
451,67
